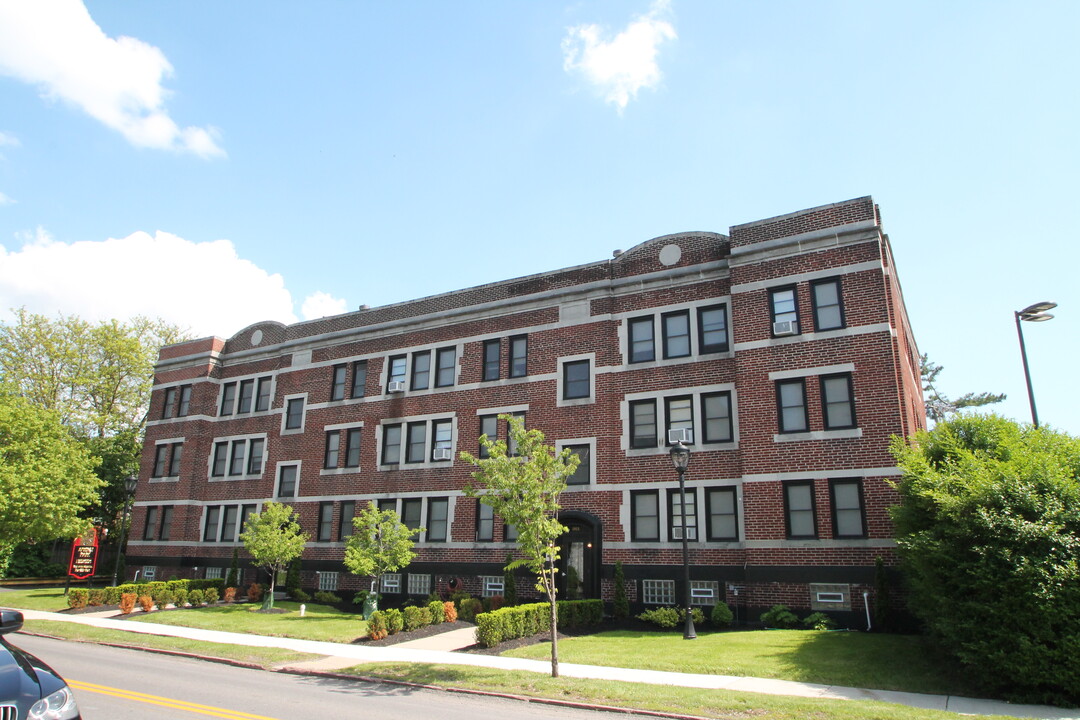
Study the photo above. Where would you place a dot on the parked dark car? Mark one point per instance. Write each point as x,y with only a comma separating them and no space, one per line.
29,689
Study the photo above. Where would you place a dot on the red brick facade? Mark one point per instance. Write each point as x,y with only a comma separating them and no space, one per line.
784,349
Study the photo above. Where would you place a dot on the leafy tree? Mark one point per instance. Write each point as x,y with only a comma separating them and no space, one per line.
232,578
274,539
46,477
938,405
988,531
523,489
621,607
380,544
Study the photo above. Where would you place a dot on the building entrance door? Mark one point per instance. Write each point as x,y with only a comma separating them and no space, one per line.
579,557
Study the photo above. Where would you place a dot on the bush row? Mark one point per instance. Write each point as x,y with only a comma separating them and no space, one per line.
670,617
162,592
519,621
413,617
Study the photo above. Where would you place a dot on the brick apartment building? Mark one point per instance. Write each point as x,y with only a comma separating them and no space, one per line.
781,351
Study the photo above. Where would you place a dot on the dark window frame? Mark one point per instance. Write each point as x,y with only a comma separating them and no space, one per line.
518,359
635,535
710,533
407,505
773,293
184,404
346,513
666,337
416,449
445,373
485,522
245,397
294,413
168,409
704,347
324,527
228,399
392,375
353,438
219,467
263,398
858,483
567,367
255,451
826,403
814,285
492,436
632,355
491,360
386,444
420,374
294,481
211,523
165,526
332,450
787,486
705,437
781,425
689,400
359,379
585,466
230,518
161,455
634,443
693,528
337,381
431,534
150,526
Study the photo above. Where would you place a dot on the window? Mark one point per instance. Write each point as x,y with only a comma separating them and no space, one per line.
177,401
791,405
828,308
247,396
150,529
149,572
441,439
287,481
326,522
722,514
262,395
783,307
213,573
210,529
489,425
658,592
680,416
419,584
294,414
246,512
642,347
485,522
845,496
174,459
415,449
359,378
166,523
352,448
704,592
390,583
333,447
644,515
236,458
583,474
576,380
185,401
255,456
491,585
337,382
519,356
799,509
712,329
643,424
676,329
716,411
391,454
396,372
228,524
675,514
328,581
221,455
161,453
511,443
492,349
510,533
388,504
348,512
445,365
410,513
436,519
228,399
421,370
837,403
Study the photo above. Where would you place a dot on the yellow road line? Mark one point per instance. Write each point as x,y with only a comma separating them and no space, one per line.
166,702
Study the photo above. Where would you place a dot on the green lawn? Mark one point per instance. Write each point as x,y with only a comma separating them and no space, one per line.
46,599
320,622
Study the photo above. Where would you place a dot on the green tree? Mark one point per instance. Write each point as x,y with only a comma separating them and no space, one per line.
46,476
938,406
509,582
988,531
232,578
620,609
523,489
380,544
274,539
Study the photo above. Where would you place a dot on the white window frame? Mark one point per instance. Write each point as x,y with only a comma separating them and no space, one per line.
285,413
149,572
561,400
704,593
213,573
560,445
390,583
492,585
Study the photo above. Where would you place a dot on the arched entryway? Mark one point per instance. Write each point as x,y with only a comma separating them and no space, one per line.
579,556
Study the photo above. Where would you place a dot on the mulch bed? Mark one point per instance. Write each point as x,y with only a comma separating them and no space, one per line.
414,634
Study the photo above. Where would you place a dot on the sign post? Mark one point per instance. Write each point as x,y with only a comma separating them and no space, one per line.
84,554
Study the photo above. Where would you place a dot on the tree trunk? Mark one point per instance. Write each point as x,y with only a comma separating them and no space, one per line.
549,581
268,598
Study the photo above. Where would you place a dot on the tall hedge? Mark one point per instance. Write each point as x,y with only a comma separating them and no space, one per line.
989,536
518,621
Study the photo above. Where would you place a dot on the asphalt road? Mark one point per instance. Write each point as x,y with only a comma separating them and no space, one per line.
121,684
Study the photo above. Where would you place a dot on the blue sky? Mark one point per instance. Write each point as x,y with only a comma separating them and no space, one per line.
218,164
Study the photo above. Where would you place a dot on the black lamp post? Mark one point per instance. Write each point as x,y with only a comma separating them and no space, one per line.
129,491
680,458
1032,313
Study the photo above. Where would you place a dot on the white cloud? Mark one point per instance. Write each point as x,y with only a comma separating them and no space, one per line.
5,200
619,67
56,45
205,287
8,139
320,304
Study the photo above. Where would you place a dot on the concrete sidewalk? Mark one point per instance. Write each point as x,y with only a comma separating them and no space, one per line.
436,649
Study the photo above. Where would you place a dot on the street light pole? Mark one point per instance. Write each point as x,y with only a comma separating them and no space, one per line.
1032,313
680,458
129,491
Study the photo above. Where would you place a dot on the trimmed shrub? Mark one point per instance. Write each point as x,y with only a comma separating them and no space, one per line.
128,588
180,597
112,595
254,592
327,598
818,621
494,602
470,607
216,583
413,618
377,625
77,598
449,611
127,603
195,597
211,595
146,603
299,595
508,623
438,613
395,621
721,615
97,597
230,594
509,582
778,616
665,617
620,609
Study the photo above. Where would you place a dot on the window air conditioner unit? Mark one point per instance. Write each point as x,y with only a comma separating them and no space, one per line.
441,454
785,327
691,533
683,435
396,386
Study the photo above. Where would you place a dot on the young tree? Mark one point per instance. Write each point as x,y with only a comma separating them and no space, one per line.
380,544
988,531
523,489
938,406
273,538
46,476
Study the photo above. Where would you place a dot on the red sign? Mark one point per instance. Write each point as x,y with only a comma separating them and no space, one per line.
84,552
